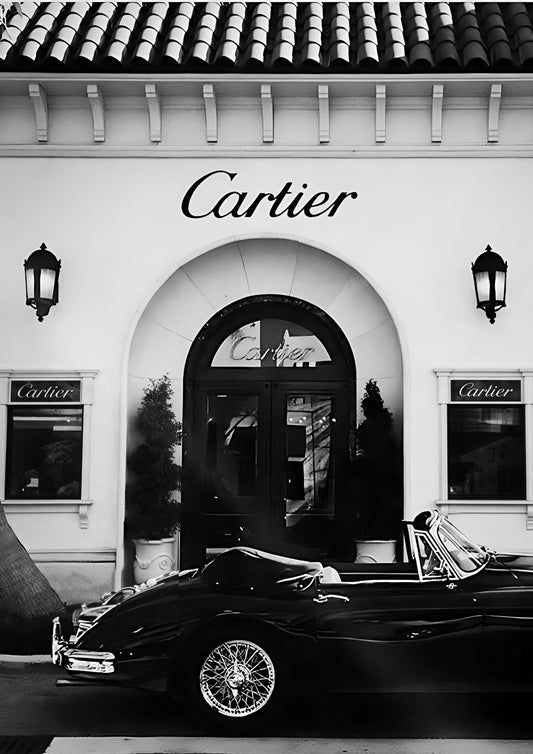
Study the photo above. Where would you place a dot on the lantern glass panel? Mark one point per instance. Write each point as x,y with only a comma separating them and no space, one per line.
482,286
30,283
499,285
48,278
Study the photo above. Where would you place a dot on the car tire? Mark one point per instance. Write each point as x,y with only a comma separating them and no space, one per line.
236,680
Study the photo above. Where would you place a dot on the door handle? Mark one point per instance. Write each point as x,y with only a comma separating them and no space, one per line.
320,598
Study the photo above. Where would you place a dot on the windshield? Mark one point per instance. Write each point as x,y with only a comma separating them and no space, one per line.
465,554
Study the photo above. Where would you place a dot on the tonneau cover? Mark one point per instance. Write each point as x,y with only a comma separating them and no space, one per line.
244,569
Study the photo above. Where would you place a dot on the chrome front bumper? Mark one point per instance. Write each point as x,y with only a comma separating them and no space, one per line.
78,660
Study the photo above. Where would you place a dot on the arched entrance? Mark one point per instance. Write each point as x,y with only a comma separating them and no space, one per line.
269,399
171,337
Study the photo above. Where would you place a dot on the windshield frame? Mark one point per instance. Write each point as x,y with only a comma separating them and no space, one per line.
438,535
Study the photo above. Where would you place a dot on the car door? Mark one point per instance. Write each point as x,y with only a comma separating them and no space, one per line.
506,599
399,635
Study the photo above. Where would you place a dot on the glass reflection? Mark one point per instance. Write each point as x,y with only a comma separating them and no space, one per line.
231,447
309,478
271,343
486,452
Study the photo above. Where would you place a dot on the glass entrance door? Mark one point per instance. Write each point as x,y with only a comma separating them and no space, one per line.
267,471
269,394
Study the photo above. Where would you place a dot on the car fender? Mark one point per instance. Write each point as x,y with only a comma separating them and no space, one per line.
296,646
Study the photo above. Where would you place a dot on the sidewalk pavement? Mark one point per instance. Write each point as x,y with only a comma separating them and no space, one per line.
26,659
201,745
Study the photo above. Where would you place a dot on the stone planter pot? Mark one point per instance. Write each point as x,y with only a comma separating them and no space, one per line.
153,557
375,550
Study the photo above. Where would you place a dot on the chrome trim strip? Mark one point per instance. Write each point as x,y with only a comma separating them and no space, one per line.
390,581
80,654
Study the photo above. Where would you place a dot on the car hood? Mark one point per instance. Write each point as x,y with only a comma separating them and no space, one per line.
127,597
515,561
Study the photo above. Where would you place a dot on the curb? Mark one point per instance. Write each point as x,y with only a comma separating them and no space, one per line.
26,659
211,745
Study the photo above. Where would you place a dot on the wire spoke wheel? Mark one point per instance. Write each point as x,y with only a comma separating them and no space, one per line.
237,678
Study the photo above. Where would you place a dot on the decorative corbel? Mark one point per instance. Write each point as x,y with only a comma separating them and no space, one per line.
436,113
96,102
210,105
83,514
267,112
323,113
529,513
493,128
154,111
40,106
381,104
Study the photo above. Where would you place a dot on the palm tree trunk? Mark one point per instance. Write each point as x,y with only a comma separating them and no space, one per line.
25,593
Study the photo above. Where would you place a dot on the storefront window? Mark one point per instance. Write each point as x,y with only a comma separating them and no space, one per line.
44,452
271,343
486,452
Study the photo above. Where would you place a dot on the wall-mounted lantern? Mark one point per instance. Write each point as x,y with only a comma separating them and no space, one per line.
42,281
490,281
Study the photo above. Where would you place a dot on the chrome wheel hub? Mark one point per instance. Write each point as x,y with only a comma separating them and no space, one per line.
237,678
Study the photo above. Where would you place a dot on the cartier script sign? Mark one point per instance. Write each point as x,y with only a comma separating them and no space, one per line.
45,391
487,391
220,194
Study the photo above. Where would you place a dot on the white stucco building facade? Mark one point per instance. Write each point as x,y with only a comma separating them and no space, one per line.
97,165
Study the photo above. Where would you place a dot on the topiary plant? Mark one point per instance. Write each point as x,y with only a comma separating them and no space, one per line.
152,512
377,471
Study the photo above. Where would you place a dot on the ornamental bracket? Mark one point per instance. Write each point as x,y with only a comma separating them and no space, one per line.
154,111
40,105
381,104
323,113
493,126
210,105
96,102
436,113
267,112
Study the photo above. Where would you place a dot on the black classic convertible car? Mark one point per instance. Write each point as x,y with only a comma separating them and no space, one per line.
237,634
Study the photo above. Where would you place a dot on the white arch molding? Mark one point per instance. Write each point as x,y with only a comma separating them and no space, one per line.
171,316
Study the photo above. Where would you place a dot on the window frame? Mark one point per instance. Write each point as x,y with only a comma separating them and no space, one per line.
80,505
445,399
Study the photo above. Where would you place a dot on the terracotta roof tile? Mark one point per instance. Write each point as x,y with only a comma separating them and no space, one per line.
257,39
338,38
416,30
520,26
174,50
468,34
230,41
94,38
285,39
262,36
67,33
394,43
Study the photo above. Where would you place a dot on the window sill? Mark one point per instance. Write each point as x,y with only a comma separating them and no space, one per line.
81,507
490,506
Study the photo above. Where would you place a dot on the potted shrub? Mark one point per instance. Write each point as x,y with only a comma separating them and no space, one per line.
152,512
376,481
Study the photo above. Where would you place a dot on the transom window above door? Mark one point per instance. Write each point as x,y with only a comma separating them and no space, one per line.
271,342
